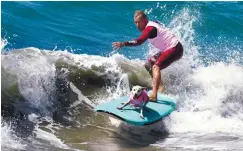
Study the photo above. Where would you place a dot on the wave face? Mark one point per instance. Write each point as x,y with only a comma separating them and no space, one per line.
57,66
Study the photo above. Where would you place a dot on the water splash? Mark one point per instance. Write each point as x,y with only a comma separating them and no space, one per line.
4,42
8,139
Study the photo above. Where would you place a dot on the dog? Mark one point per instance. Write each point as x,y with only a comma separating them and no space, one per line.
138,98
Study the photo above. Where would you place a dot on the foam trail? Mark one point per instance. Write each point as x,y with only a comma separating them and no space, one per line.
50,138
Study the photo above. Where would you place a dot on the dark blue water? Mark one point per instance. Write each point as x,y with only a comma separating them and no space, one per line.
91,27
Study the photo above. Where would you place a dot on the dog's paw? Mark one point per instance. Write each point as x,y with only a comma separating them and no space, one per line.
119,108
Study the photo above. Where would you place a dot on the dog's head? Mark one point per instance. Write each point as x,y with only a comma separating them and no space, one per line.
136,91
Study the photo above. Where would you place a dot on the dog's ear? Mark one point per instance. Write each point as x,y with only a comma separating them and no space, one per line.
144,88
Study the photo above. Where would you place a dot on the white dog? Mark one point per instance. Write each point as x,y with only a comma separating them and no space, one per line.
138,98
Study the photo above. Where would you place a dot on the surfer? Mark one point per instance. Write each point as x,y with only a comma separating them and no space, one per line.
169,48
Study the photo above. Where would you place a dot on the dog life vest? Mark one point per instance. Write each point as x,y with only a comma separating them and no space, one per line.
143,97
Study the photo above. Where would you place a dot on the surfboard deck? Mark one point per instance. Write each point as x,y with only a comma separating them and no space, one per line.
153,112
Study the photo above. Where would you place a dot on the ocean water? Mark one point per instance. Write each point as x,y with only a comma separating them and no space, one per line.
57,63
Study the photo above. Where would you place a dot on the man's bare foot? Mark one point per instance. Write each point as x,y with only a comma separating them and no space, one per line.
152,97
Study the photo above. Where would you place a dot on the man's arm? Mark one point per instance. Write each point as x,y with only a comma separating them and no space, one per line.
148,32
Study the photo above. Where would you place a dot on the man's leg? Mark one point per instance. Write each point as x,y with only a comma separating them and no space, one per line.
156,82
163,61
148,66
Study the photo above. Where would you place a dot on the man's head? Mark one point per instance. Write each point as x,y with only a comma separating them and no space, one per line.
140,19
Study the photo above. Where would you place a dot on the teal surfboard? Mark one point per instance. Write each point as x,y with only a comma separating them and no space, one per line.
153,112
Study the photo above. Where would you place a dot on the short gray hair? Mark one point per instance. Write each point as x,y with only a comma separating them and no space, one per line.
140,14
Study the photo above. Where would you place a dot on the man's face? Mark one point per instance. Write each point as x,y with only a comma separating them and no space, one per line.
140,22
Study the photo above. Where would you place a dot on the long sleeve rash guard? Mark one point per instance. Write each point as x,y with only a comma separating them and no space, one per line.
148,32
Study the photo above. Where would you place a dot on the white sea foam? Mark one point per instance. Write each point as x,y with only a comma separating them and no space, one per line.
9,140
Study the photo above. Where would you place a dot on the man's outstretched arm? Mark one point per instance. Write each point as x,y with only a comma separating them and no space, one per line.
148,32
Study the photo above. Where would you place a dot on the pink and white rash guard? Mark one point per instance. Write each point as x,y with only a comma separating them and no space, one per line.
158,35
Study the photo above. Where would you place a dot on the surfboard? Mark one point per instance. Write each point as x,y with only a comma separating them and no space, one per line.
153,112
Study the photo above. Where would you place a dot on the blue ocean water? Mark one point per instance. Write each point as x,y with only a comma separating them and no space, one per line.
56,64
91,27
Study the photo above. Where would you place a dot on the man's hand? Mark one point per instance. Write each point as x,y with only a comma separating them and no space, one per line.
118,45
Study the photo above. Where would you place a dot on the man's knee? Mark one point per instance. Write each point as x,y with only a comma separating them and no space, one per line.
155,68
148,65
